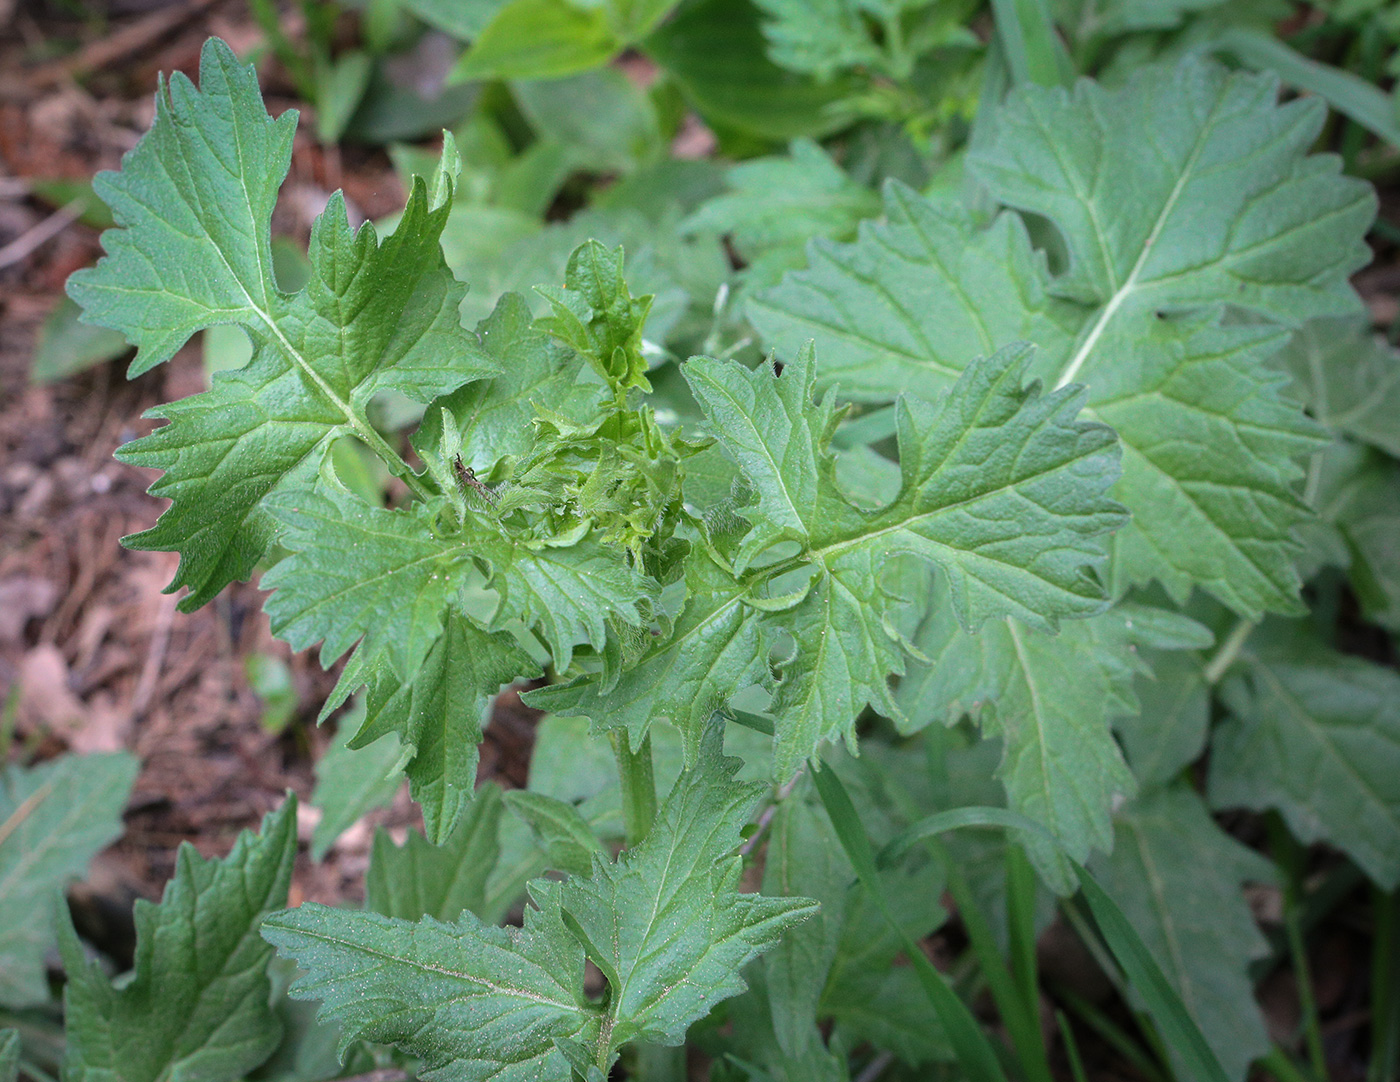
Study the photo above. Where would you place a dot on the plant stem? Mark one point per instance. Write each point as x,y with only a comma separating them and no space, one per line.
1110,1032
1022,1020
1289,858
1020,920
1278,1063
1076,1064
634,772
1229,650
367,434
1385,989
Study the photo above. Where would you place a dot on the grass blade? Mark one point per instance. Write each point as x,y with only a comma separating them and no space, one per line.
942,822
975,1053
1022,1019
1033,49
1020,921
1352,96
1179,1031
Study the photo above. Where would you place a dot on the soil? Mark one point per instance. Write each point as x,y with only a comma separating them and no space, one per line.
93,656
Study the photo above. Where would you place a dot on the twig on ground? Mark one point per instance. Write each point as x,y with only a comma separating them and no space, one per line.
130,39
155,657
45,231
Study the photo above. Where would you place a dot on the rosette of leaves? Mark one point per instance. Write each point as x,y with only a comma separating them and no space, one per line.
549,520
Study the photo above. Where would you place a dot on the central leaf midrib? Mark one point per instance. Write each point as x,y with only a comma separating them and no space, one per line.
1121,293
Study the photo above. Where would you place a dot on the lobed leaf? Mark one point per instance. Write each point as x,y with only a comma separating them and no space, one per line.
54,818
1220,207
473,1001
438,710
196,1005
1051,698
664,922
1315,735
193,250
1178,877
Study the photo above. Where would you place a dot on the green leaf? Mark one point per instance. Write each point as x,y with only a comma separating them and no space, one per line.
823,37
568,591
420,879
195,198
196,1005
1051,698
915,299
715,648
540,39
665,924
438,710
1227,209
1002,492
194,251
1227,205
769,427
67,346
1177,877
54,819
715,52
9,1055
669,908
776,205
356,571
351,782
1350,379
569,843
991,453
473,1001
597,315
495,416
1315,735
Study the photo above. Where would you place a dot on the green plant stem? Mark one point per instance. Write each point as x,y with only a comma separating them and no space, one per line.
1020,922
1101,954
1385,989
1020,1018
38,1074
1229,650
1278,1063
1111,1033
1288,856
1076,1064
634,772
370,437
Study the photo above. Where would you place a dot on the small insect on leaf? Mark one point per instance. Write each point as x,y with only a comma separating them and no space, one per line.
467,478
